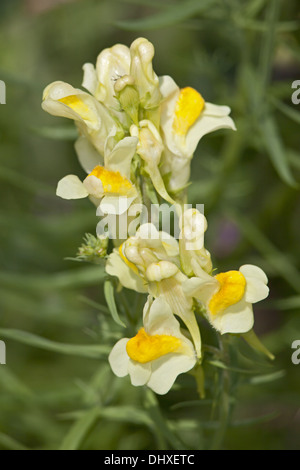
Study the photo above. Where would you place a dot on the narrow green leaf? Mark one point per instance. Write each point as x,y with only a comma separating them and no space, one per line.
252,421
173,15
160,422
24,183
223,366
62,280
9,443
262,379
90,351
80,429
56,133
127,414
289,303
273,145
270,252
288,111
110,300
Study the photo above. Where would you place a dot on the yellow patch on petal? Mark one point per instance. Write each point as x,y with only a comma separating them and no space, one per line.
129,263
145,348
112,181
231,291
188,108
77,105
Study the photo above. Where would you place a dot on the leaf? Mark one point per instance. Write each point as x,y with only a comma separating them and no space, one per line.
56,133
62,280
90,351
286,110
270,252
110,300
160,422
273,145
80,429
127,414
10,443
223,366
24,183
262,379
289,303
173,15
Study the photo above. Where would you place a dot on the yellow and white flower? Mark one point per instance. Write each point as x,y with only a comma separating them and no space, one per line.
185,119
228,297
92,118
119,67
157,354
150,148
193,225
152,260
109,186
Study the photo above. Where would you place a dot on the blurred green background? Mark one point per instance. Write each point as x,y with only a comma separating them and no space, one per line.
57,390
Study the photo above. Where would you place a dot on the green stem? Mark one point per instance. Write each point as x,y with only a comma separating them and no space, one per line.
224,398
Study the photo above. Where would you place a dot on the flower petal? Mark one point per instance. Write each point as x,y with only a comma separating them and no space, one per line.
250,270
256,290
70,187
90,80
115,205
119,359
139,373
237,318
257,280
119,159
207,123
88,156
115,266
166,369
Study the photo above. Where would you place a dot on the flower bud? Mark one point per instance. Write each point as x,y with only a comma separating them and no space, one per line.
162,270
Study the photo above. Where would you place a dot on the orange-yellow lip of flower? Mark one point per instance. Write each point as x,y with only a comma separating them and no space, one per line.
113,182
129,263
77,105
188,108
231,290
144,348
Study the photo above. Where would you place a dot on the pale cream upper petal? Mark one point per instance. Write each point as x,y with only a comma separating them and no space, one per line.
256,290
237,318
139,373
115,266
166,369
119,359
167,86
116,205
88,156
119,159
90,80
205,124
250,270
94,186
70,187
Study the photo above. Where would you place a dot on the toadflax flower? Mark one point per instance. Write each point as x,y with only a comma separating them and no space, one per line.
150,260
93,120
185,119
122,76
228,297
193,225
158,353
108,185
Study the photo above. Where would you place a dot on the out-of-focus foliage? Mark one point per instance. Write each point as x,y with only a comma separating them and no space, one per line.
57,390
